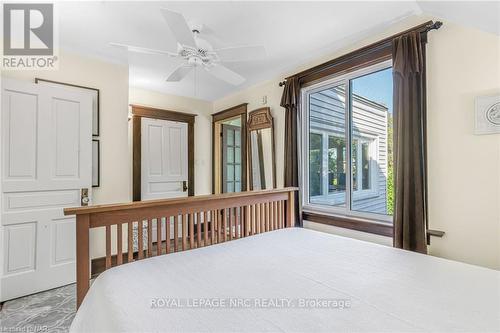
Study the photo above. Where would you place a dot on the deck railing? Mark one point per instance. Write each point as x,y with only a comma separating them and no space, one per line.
171,225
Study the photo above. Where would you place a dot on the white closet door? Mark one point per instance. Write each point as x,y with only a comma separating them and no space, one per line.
46,161
164,165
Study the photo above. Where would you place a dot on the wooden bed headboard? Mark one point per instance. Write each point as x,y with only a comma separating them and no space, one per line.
189,223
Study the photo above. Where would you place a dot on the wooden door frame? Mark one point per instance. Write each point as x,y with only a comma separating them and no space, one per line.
241,111
140,111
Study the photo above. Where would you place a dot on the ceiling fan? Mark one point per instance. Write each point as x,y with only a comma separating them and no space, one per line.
196,51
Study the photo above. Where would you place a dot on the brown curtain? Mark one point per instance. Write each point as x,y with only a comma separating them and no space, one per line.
290,101
410,216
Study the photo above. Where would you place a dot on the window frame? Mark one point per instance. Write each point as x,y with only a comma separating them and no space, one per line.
306,91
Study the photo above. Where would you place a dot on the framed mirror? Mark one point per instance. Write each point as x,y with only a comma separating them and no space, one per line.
262,168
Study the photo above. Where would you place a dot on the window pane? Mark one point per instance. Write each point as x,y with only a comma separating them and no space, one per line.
336,164
230,173
230,187
327,147
230,137
365,158
237,187
371,109
354,153
237,138
230,154
315,167
237,172
237,156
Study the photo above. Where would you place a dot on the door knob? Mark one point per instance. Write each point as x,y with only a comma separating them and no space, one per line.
184,186
84,197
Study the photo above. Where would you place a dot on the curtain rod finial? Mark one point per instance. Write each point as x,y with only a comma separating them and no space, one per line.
434,26
282,83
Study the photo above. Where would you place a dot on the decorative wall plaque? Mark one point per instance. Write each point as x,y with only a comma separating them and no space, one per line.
487,120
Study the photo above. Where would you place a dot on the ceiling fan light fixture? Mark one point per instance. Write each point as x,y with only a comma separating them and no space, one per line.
198,52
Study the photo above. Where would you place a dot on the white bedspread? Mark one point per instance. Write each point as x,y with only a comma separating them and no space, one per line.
386,289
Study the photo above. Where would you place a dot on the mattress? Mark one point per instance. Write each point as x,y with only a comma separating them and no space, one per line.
293,280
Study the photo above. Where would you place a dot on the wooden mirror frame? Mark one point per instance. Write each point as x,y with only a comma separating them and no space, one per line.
260,119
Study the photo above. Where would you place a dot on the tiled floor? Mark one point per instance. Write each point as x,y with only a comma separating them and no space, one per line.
48,311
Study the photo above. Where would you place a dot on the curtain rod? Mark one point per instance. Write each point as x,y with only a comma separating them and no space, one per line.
428,27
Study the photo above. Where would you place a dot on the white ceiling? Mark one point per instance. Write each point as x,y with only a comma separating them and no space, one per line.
292,32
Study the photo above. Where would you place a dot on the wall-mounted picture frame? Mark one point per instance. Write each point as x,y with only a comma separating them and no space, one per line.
95,100
487,116
96,162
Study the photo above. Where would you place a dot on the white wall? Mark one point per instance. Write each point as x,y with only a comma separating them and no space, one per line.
464,170
202,129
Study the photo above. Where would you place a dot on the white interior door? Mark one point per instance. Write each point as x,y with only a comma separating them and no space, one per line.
164,165
46,161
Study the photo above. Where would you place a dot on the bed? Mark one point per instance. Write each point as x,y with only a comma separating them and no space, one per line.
292,280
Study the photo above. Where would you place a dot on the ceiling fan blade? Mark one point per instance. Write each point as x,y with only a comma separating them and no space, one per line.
179,73
225,74
241,53
145,50
179,27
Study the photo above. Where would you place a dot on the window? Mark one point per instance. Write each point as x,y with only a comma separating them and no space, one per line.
336,164
360,152
315,158
354,152
353,110
365,163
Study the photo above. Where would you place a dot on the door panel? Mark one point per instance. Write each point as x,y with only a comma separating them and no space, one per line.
63,247
66,118
164,159
176,159
20,135
164,187
155,152
21,201
46,161
20,242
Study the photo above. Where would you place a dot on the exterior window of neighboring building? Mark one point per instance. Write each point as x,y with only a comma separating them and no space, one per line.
354,150
316,155
365,163
336,164
353,110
